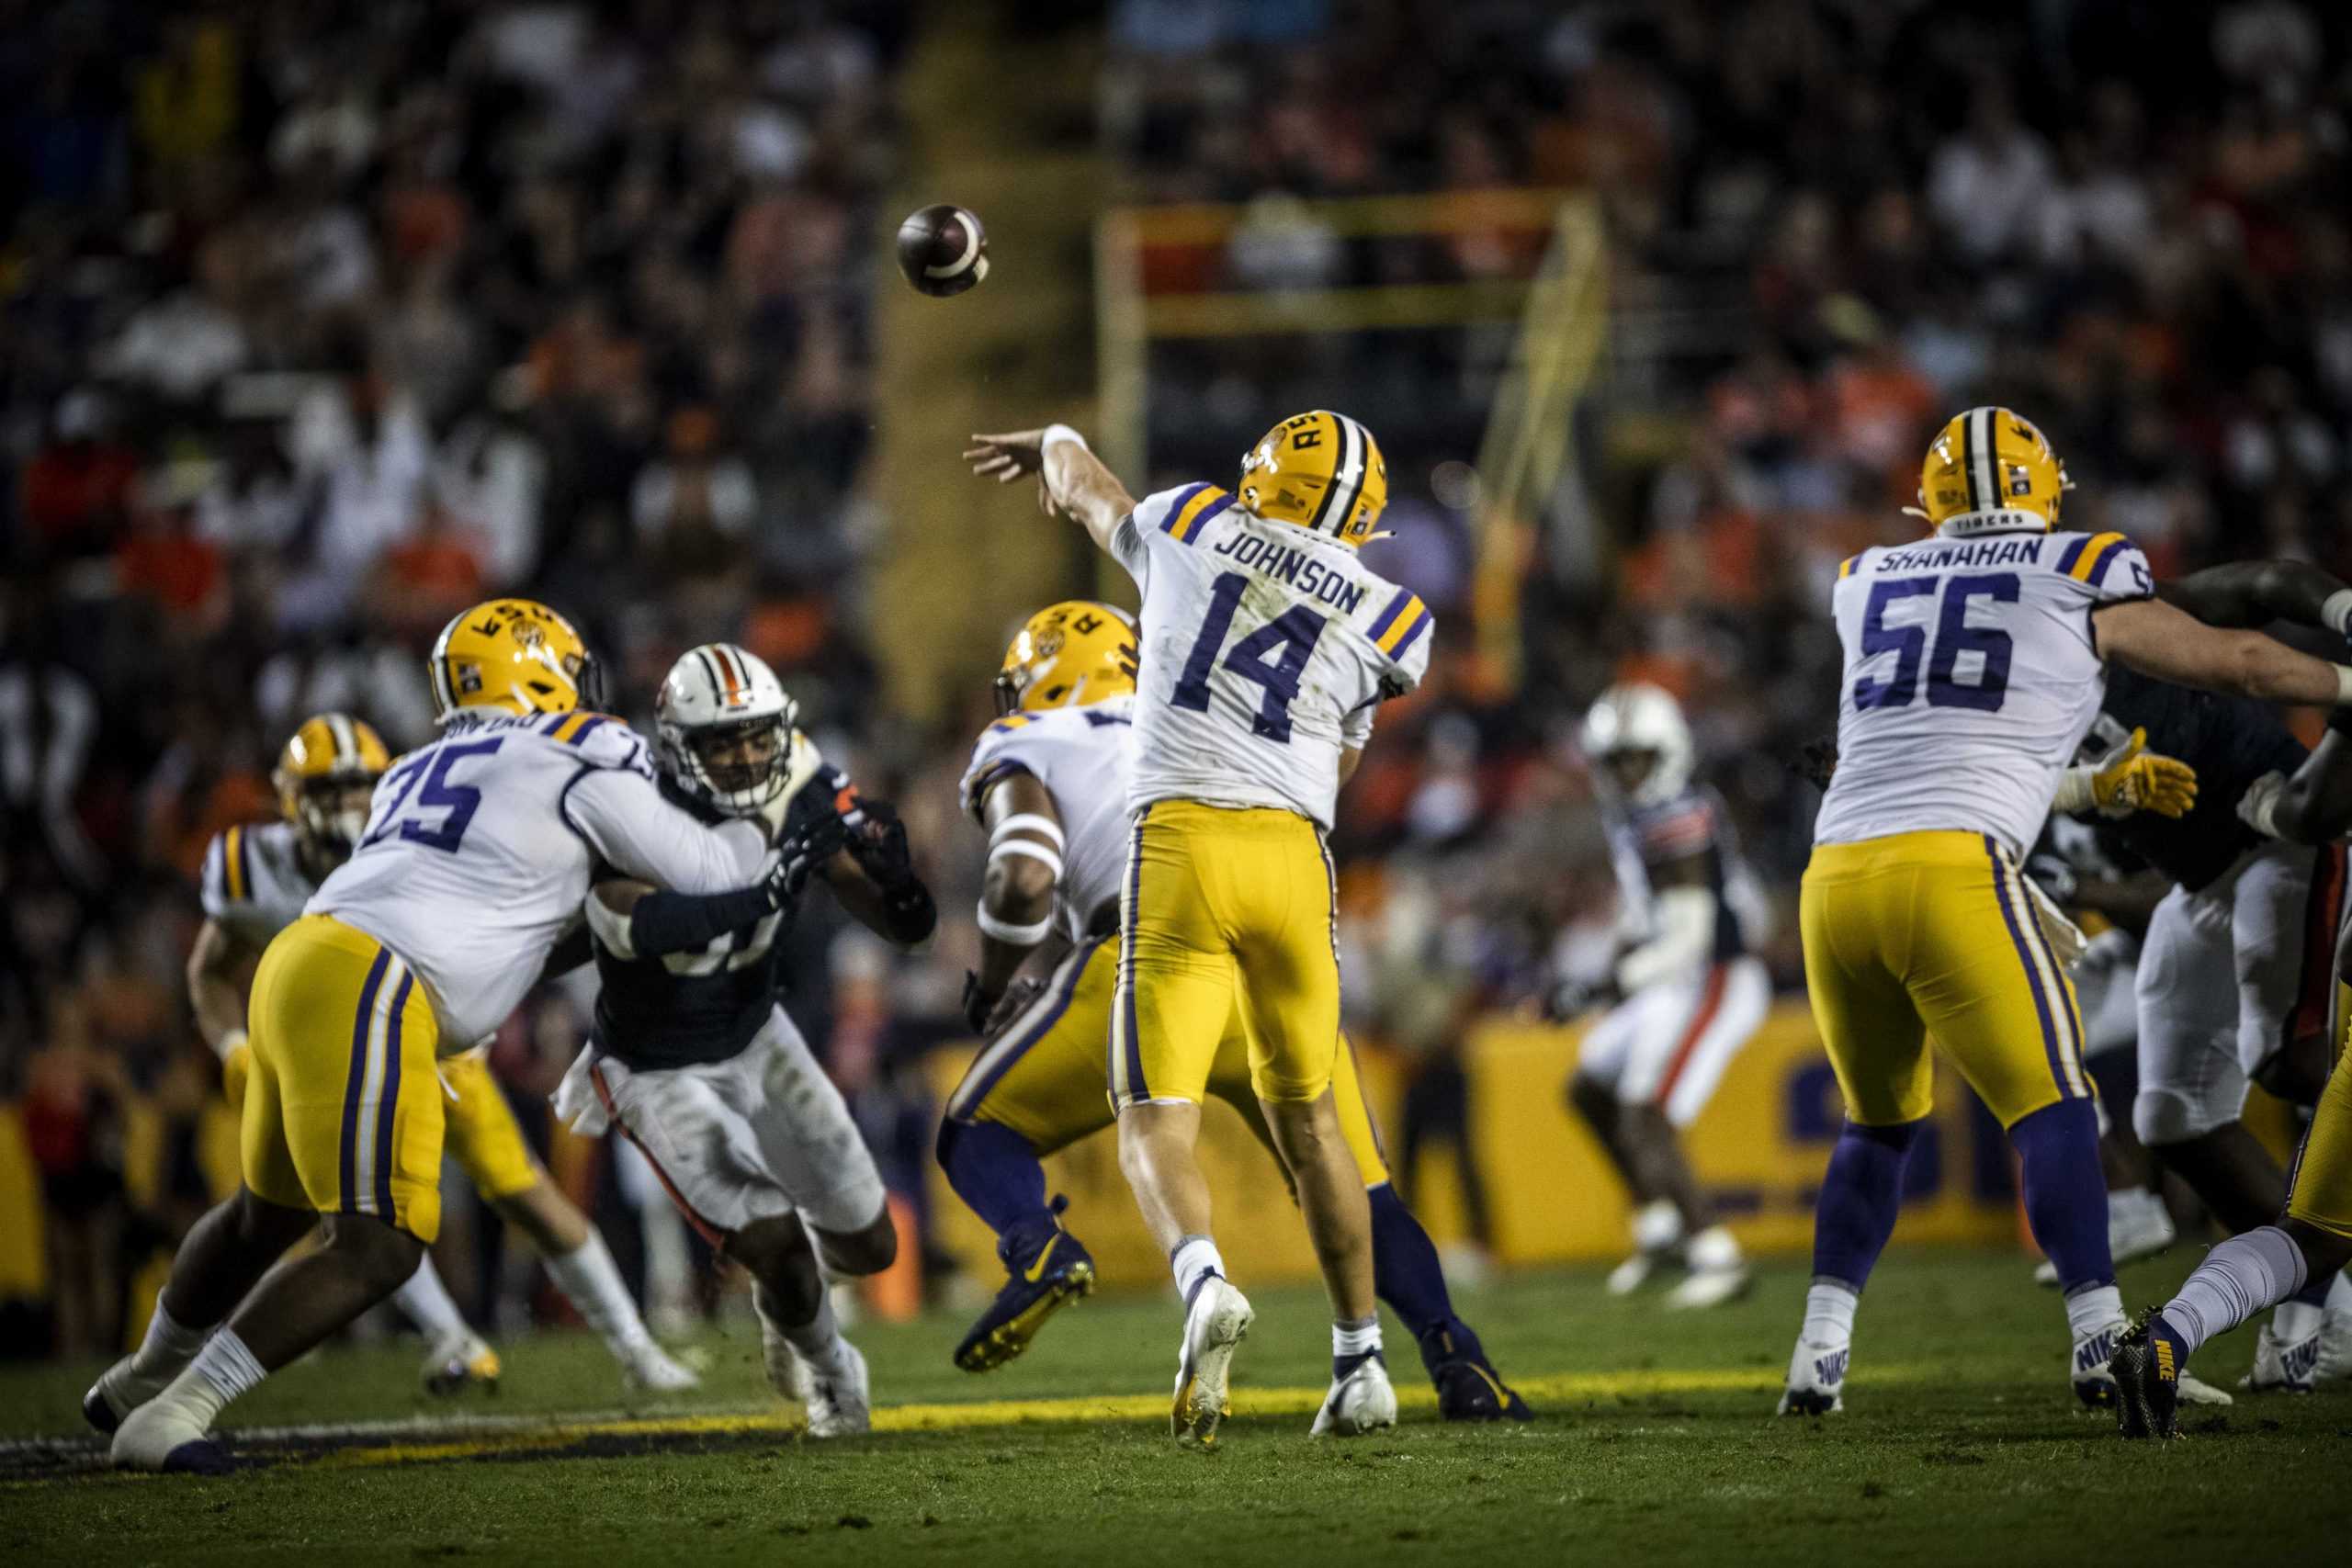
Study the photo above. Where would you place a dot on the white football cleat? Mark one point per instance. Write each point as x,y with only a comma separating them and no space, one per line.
2283,1366
2335,1347
163,1436
2094,1385
2197,1391
461,1361
1214,1325
1816,1385
655,1371
841,1404
1362,1401
1637,1270
117,1393
781,1362
1718,1271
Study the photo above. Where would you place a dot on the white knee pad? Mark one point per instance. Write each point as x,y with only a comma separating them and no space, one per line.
2163,1116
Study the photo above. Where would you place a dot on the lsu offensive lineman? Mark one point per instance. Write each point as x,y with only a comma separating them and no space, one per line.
1266,648
257,880
1049,781
694,1058
477,857
1975,662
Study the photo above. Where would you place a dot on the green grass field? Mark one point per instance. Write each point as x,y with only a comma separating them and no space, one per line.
1655,1444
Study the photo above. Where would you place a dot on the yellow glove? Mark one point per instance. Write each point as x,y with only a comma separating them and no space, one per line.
2136,779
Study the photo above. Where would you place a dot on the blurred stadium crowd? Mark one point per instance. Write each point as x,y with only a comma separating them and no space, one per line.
318,321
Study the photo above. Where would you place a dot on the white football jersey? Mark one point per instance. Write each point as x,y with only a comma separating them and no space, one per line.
480,848
1265,650
1970,677
253,883
1081,755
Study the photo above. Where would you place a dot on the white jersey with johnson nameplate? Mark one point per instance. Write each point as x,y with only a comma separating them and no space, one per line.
480,846
1266,650
1970,677
253,884
1081,755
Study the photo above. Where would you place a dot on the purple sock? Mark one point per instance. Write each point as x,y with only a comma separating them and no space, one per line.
1860,1194
995,1170
2066,1196
1404,1264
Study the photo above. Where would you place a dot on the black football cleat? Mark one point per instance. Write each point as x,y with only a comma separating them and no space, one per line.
1044,1278
2147,1367
1468,1387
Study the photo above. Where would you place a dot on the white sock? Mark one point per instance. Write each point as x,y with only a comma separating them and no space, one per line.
2339,1294
2292,1321
819,1341
1657,1226
2238,1278
168,1347
2090,1311
1359,1339
1713,1248
1195,1258
221,1370
590,1282
1829,1313
426,1302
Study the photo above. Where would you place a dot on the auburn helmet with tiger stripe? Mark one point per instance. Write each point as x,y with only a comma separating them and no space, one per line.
324,776
725,728
514,655
1320,470
1990,471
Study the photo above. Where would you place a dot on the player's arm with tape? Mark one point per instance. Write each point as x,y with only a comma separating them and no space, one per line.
1073,481
873,874
2162,641
623,818
1016,913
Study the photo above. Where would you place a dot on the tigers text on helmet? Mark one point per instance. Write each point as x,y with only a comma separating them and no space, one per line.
724,725
324,777
1068,655
1320,470
514,656
1990,471
1632,718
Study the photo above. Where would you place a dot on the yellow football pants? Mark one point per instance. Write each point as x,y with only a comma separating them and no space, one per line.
1921,935
482,1134
342,1109
2320,1193
1043,1075
1224,911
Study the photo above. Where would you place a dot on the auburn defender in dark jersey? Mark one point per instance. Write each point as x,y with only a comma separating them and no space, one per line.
696,1062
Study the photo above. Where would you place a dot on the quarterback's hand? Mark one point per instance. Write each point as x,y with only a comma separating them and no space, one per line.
2137,779
1006,457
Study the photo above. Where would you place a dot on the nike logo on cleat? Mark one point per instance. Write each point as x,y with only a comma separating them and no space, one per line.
1036,1271
1831,1369
2094,1352
2164,1368
2297,1361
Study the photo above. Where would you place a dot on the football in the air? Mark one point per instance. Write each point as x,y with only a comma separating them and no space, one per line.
943,250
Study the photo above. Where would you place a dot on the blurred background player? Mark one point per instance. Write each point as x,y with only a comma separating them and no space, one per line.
1049,780
469,877
2273,1264
1254,711
255,884
1975,662
1686,989
257,880
693,1057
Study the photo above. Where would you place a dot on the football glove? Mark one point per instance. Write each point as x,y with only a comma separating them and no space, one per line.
878,842
2136,779
798,855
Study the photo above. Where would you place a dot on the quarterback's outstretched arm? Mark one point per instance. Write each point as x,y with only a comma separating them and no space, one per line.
1075,482
2254,593
2159,639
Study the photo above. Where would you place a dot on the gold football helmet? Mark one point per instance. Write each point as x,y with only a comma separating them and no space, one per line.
324,777
514,655
1990,471
1067,655
1320,470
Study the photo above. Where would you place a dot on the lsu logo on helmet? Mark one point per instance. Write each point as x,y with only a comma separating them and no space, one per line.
1989,471
1320,470
514,655
324,776
1067,655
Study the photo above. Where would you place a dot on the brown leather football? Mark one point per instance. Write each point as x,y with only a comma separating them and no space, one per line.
943,250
